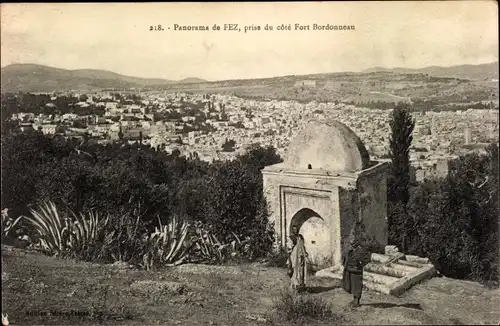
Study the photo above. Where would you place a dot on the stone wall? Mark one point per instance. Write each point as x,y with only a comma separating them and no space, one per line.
333,201
348,199
372,190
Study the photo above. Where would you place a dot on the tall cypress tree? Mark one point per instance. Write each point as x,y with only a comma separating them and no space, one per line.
398,183
402,125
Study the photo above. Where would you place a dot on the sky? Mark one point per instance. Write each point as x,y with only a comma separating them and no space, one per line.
116,37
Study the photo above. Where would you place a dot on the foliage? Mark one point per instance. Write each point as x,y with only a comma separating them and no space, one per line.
9,225
277,257
454,220
80,177
402,125
297,309
167,244
398,183
124,238
260,157
234,203
208,248
67,235
228,145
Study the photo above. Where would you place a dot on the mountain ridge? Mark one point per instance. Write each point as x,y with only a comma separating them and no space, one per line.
465,71
40,78
35,77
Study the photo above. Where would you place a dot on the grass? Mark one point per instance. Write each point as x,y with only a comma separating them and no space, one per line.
299,309
37,289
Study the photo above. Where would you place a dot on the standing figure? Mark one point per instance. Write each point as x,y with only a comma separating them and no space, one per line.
299,265
293,241
354,260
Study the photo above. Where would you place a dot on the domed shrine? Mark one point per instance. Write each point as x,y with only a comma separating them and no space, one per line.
329,146
325,185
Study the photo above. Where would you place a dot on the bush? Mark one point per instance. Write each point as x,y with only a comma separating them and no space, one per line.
167,244
300,308
10,227
75,235
225,197
277,257
454,220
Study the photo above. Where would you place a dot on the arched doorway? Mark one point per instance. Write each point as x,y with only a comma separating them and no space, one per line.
316,236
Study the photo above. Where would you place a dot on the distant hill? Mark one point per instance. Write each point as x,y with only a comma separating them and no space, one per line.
472,72
191,80
33,78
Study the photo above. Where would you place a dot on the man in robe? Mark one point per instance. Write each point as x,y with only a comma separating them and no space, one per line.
297,262
354,260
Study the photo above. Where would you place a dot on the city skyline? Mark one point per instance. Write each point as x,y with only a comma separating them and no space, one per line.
115,37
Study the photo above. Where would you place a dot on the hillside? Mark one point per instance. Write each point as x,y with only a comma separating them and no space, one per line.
191,80
473,72
441,85
33,78
78,293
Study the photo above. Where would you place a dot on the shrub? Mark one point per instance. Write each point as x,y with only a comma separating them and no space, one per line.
9,226
167,244
299,308
454,220
234,205
76,235
278,257
226,197
209,249
124,240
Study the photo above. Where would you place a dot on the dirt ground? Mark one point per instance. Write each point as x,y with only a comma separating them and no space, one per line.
37,289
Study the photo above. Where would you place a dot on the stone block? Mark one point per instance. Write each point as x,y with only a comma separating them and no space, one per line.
417,259
391,250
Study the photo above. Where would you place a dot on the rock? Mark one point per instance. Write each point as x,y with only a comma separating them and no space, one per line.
7,248
417,259
121,265
159,287
391,250
258,319
207,269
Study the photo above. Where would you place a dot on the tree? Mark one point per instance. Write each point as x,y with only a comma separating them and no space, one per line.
454,220
228,146
260,157
398,183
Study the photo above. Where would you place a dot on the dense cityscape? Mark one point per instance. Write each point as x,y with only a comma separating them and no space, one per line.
218,127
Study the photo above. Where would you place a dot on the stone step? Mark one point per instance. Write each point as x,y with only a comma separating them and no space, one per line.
384,270
376,287
379,278
410,263
417,259
388,274
370,282
403,268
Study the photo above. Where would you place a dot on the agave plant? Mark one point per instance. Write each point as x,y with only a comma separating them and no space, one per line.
49,228
58,235
9,225
208,246
167,244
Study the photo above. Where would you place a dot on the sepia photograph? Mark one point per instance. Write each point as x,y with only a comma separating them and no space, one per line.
250,163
